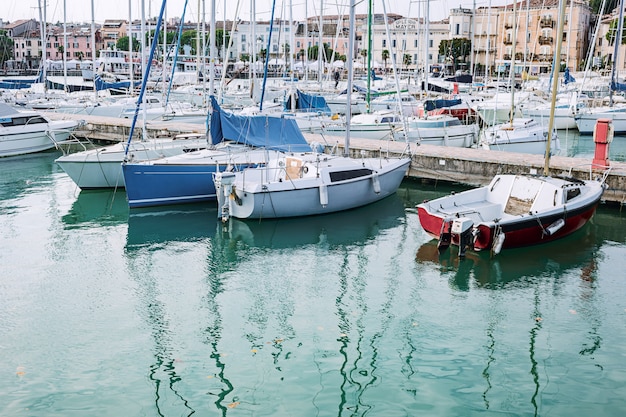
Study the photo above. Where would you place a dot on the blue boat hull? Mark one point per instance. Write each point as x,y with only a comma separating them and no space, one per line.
153,185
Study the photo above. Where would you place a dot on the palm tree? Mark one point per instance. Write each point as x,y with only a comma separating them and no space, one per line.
363,53
406,60
385,56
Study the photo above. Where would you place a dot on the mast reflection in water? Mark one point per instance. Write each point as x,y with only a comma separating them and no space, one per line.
111,311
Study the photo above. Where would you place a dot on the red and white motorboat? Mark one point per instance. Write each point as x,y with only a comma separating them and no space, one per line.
512,211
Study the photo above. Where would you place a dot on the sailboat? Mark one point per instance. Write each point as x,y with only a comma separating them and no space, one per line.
518,134
102,167
515,210
586,119
310,183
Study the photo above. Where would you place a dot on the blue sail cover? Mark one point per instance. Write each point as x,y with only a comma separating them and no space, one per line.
277,133
567,77
19,84
308,103
15,85
104,85
438,104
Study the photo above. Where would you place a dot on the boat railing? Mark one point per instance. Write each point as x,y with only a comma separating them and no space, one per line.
70,145
594,171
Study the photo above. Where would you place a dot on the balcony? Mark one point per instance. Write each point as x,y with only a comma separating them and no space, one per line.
545,40
508,25
508,42
546,23
506,57
544,57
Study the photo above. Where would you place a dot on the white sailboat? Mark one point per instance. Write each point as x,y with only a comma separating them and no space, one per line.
310,183
518,134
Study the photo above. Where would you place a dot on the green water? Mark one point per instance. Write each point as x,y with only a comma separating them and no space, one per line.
165,312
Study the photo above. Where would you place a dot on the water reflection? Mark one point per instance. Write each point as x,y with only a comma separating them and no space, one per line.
344,228
24,172
162,372
493,272
184,223
97,207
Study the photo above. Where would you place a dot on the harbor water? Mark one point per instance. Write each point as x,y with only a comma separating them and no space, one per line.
106,311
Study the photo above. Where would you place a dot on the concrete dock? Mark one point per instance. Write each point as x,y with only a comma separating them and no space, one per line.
438,163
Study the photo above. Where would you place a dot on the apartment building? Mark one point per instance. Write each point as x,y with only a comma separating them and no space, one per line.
528,34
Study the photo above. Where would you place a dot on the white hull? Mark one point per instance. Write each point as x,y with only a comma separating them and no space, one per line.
310,184
441,130
523,135
586,121
28,132
563,117
101,167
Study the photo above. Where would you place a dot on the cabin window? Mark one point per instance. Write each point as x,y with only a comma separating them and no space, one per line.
347,175
572,193
21,121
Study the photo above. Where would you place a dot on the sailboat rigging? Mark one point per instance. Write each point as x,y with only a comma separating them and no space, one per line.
514,210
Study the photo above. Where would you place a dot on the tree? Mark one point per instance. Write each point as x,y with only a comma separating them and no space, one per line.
122,44
612,33
406,60
385,56
6,47
610,5
363,53
313,52
457,49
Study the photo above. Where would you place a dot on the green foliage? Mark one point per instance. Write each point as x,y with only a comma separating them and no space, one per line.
313,52
612,32
457,49
122,44
189,37
6,47
406,60
610,5
385,56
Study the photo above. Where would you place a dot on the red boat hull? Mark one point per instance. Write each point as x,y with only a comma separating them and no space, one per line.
518,233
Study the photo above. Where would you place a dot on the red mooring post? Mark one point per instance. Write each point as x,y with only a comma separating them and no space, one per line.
602,137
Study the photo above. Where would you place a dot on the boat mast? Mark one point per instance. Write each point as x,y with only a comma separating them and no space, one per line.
65,46
93,50
370,6
346,150
617,41
556,64
131,85
512,71
44,54
426,49
212,49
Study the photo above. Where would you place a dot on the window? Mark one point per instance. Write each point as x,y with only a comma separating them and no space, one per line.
384,43
393,43
457,29
572,193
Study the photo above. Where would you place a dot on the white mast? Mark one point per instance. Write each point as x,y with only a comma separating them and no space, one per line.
93,49
131,86
212,50
44,54
65,46
349,87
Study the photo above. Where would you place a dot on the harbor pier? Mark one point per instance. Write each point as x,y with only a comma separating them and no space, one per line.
437,163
